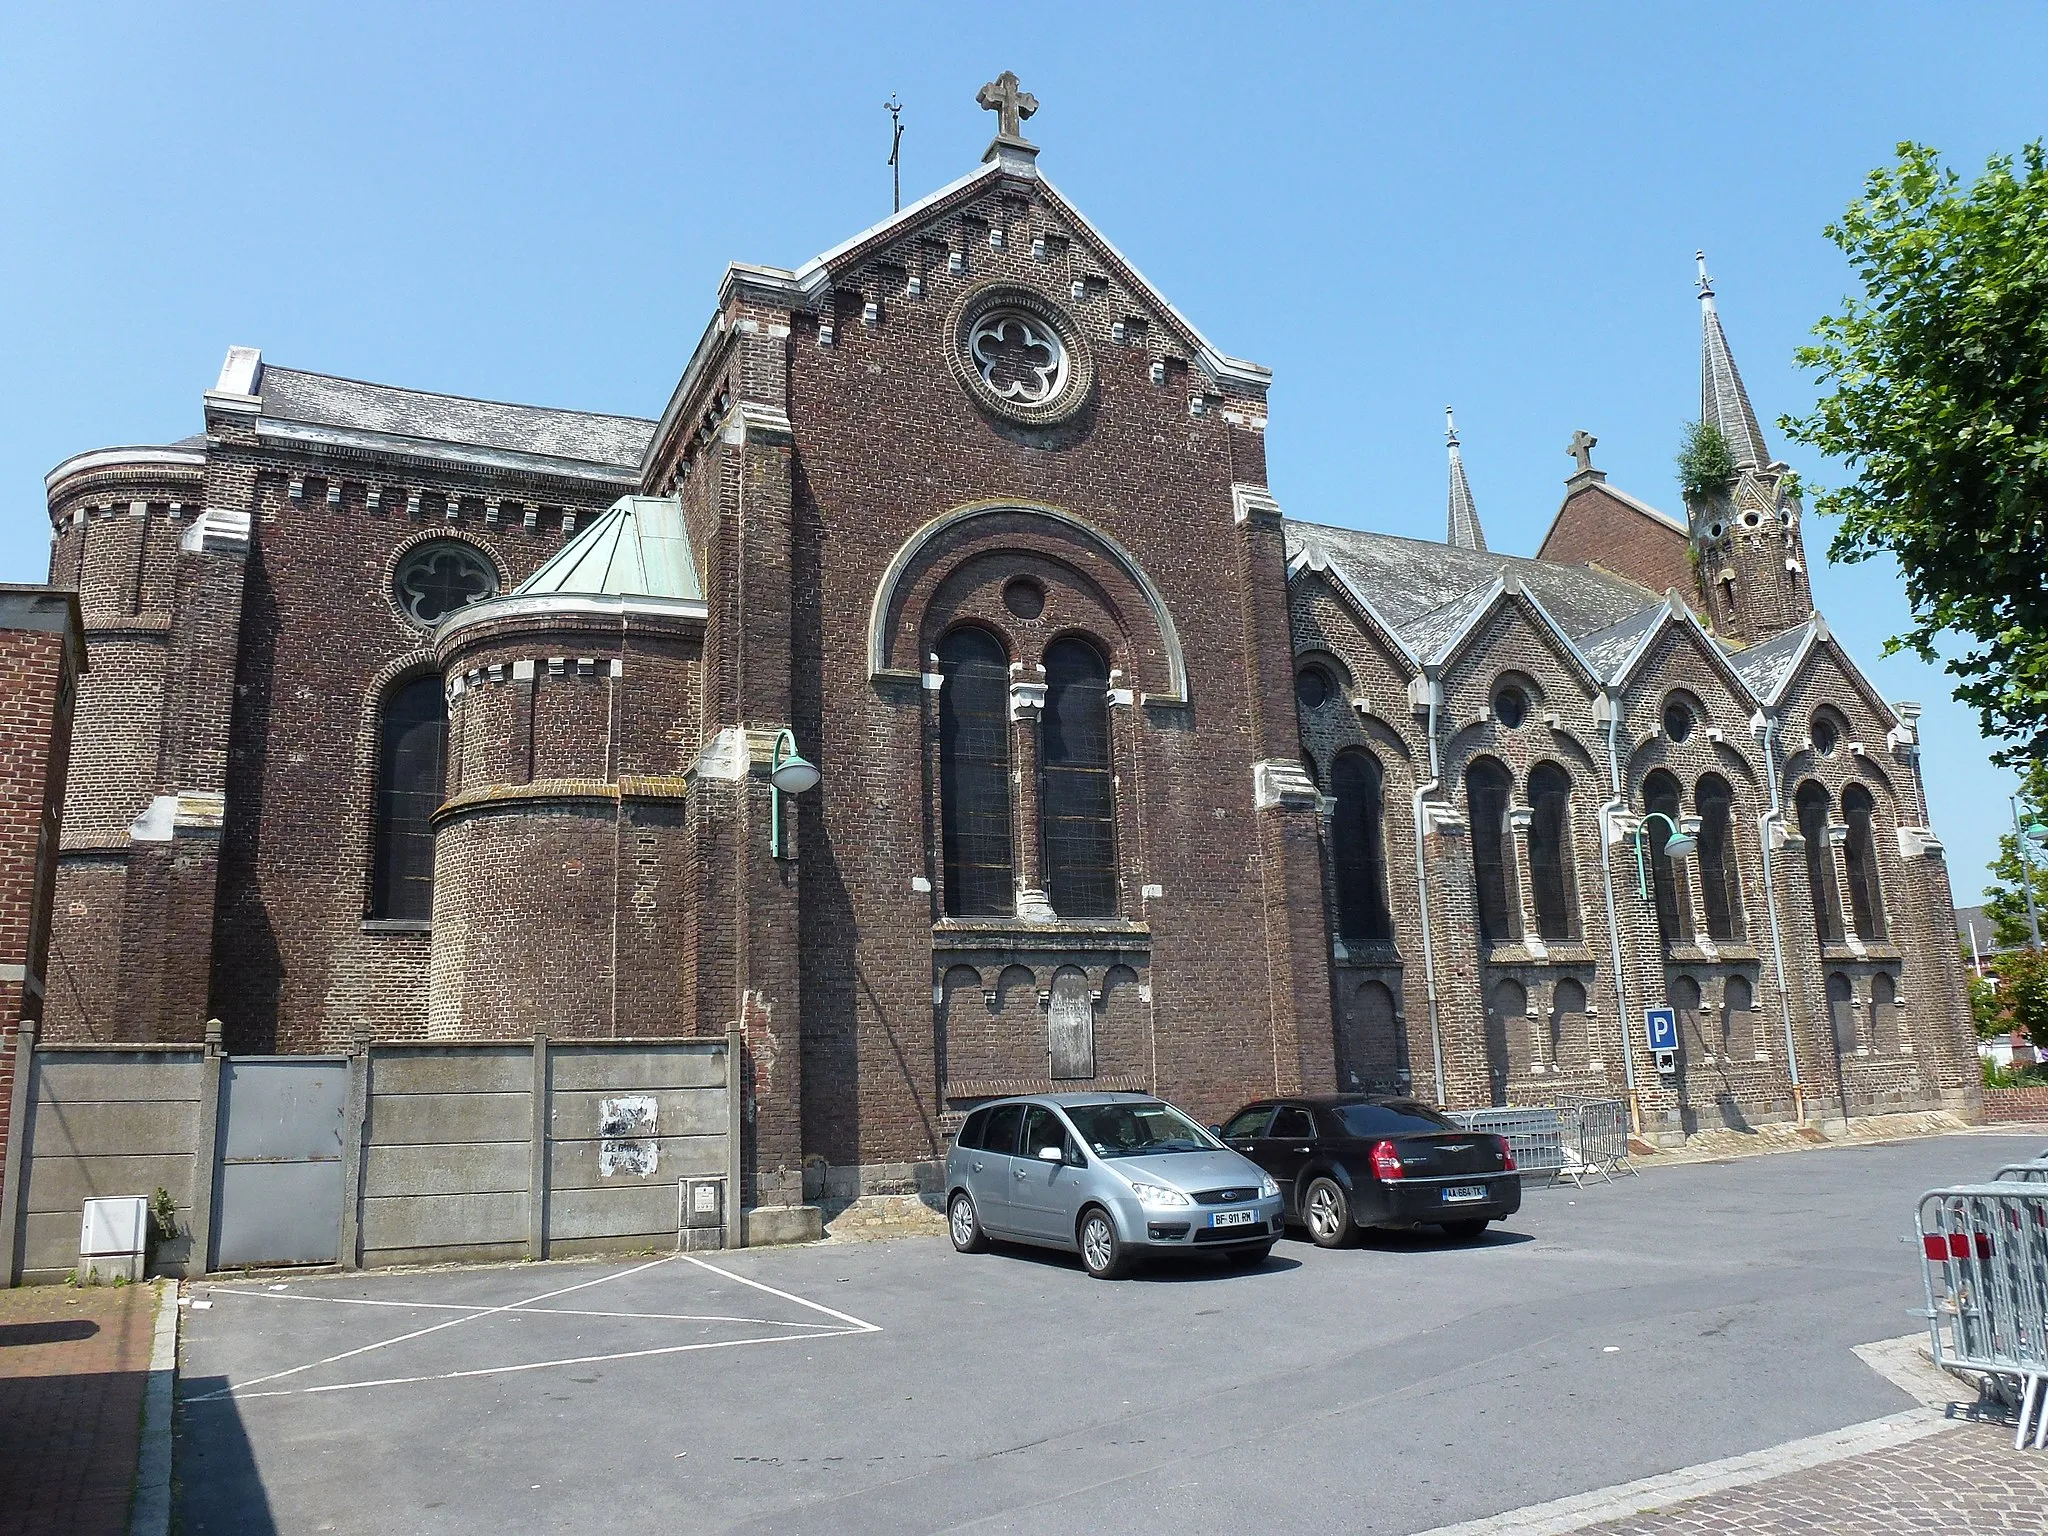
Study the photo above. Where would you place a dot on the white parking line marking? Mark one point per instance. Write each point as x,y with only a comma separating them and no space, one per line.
417,1333
542,1365
460,1306
851,1325
844,1317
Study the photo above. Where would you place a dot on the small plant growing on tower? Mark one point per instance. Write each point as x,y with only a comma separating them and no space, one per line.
1705,462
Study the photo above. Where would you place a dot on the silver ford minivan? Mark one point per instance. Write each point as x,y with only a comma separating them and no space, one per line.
1110,1176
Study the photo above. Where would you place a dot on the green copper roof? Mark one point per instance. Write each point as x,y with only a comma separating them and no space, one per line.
639,548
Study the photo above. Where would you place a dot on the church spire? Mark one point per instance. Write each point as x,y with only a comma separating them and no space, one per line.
1723,401
1464,519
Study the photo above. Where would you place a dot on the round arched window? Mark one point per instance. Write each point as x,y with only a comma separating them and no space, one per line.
1018,356
1312,687
1510,706
1678,719
1825,736
436,578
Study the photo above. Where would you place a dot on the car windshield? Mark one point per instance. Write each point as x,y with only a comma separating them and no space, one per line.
1138,1130
1393,1117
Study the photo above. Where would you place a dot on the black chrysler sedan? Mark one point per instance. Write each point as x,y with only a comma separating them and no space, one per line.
1348,1161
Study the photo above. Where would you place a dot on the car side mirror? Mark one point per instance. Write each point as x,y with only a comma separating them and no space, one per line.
1216,1131
1051,1155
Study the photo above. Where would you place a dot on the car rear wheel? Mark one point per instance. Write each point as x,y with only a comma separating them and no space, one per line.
964,1225
1102,1252
1326,1212
1465,1231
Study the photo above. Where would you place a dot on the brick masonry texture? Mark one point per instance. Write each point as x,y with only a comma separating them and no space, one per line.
852,492
2022,1104
41,657
1967,1479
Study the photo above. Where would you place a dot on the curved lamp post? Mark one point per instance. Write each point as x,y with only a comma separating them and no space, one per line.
789,773
2037,834
1677,846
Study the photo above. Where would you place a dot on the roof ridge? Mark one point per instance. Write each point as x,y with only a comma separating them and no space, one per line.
442,394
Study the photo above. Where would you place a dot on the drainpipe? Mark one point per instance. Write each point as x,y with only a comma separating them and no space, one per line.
1436,1037
1608,812
1766,824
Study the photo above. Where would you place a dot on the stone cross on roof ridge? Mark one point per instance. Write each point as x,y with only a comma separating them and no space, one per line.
1010,102
1581,448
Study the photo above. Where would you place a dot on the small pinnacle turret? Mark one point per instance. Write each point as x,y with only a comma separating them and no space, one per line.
1464,530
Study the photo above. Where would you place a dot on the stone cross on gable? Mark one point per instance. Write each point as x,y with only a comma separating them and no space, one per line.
1009,102
1581,448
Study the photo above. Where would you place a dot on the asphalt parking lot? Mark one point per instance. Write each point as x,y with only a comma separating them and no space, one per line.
1606,1334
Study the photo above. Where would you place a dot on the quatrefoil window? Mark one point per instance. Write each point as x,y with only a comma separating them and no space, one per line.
1019,357
435,579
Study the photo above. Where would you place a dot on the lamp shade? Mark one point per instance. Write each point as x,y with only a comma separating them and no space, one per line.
794,774
1681,845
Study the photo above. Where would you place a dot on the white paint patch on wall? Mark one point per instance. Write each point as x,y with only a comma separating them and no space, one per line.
627,1126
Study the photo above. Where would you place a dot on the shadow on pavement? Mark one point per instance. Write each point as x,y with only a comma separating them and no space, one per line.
1194,1267
216,1486
15,1335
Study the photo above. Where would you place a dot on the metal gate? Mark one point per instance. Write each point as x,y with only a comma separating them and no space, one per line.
278,1197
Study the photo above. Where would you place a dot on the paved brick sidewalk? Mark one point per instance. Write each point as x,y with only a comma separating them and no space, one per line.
73,1365
1967,1481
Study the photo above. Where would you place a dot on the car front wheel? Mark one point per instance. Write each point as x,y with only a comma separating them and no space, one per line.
1327,1213
964,1225
1102,1251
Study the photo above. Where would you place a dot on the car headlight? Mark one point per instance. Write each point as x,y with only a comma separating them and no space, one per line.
1159,1195
1268,1190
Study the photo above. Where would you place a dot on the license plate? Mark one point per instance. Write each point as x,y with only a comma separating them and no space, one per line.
1465,1192
1233,1218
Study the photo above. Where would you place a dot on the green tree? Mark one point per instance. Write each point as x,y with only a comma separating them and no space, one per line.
1939,407
2021,998
2005,900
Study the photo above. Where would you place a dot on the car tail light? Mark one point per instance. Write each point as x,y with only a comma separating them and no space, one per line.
1386,1162
1507,1153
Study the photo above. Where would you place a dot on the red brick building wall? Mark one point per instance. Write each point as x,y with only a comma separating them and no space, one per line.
1596,526
42,655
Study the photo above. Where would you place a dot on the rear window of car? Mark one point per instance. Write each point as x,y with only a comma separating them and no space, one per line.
999,1134
970,1133
1393,1117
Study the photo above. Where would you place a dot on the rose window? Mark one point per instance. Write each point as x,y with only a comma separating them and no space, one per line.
436,579
1019,357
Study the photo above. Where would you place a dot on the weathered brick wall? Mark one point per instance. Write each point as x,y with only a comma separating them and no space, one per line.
2024,1104
1597,527
41,655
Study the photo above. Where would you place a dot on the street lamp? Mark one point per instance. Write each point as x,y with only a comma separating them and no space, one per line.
2037,834
789,773
1676,846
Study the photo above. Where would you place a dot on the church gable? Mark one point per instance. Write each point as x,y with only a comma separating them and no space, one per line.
1600,526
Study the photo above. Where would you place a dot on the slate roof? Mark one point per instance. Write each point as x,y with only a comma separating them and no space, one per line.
318,399
638,548
1765,666
1606,649
1414,582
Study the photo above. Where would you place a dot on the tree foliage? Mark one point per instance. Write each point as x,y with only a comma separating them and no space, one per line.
1705,461
2005,900
2020,1000
1939,407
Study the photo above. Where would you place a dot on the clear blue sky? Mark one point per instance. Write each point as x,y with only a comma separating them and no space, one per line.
1393,208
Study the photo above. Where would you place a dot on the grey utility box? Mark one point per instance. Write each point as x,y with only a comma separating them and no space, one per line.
703,1213
113,1239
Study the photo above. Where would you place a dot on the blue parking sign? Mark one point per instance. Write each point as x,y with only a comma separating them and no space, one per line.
1662,1024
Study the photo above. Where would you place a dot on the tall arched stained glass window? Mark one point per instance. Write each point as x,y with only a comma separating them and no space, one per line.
412,765
1674,901
974,775
1859,854
1358,849
1550,853
1077,795
1812,804
1487,791
1720,880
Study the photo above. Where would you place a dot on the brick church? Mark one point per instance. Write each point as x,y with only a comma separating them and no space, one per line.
935,692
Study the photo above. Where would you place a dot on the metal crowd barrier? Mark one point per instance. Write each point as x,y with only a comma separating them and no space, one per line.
1536,1137
1576,1139
2035,1172
1984,1261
